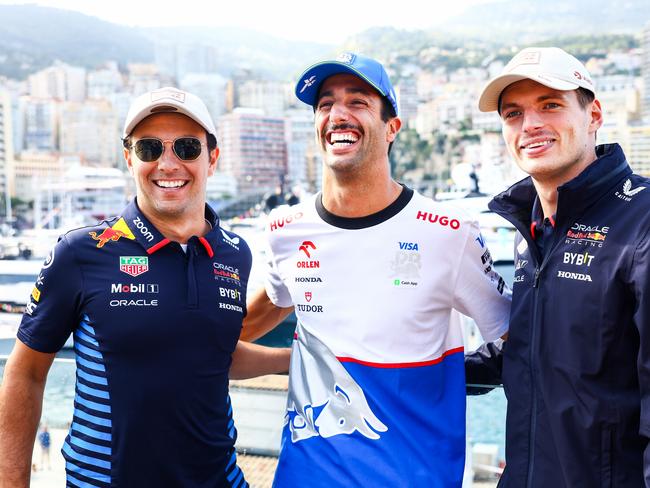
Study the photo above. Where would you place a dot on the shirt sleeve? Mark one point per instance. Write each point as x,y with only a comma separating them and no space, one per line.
276,289
53,309
480,292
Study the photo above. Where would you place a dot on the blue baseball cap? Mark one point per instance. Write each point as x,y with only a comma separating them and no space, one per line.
369,70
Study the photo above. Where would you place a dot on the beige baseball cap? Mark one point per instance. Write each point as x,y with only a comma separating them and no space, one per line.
172,100
550,66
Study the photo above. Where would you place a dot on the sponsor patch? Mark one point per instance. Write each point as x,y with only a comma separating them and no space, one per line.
573,276
134,265
440,219
279,223
114,233
628,192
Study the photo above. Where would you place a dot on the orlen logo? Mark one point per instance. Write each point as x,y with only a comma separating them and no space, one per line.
279,223
442,220
306,248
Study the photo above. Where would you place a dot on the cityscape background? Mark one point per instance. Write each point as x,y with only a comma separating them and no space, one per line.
67,80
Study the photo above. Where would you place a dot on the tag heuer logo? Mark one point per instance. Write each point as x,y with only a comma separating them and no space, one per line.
134,265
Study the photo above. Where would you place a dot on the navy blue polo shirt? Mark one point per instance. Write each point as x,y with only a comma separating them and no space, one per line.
154,328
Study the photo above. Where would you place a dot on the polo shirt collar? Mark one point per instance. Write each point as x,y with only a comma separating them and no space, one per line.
137,227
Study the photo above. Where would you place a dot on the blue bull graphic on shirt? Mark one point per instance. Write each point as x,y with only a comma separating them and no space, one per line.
327,404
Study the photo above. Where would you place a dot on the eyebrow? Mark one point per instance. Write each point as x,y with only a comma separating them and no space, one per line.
351,90
542,98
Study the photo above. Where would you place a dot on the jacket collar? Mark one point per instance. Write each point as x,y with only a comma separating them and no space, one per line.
574,197
137,227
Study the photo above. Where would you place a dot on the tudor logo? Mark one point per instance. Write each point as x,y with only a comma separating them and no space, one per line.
308,296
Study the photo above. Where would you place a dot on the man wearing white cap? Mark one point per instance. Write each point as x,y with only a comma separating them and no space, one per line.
373,269
576,366
154,299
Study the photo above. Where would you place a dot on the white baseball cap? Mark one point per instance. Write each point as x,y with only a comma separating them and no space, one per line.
550,66
170,100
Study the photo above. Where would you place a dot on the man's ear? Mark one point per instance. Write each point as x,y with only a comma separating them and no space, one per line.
392,128
214,155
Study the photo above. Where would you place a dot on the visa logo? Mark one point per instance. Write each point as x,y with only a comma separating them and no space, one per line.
408,246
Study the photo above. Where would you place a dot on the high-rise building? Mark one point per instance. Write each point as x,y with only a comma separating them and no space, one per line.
645,71
89,130
407,94
253,150
102,83
60,81
211,88
6,148
301,146
265,95
39,123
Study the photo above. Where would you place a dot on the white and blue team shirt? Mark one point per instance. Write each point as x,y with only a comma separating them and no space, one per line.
154,328
377,383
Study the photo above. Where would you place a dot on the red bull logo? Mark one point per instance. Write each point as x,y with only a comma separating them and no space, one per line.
109,234
114,233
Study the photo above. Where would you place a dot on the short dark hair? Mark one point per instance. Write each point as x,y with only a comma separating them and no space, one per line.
387,113
585,97
127,142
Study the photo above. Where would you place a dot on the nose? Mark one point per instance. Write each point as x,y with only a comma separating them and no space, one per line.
532,120
338,112
168,161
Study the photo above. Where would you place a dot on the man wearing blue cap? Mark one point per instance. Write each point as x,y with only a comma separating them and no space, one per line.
373,271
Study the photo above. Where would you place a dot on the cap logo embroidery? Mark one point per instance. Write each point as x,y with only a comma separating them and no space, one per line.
582,77
179,96
346,58
308,82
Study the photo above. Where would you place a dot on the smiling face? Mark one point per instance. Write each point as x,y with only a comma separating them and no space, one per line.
349,125
551,136
170,188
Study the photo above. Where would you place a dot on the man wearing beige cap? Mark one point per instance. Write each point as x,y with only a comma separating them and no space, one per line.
576,366
154,299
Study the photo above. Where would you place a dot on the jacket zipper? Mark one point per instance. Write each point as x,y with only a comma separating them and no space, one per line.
532,430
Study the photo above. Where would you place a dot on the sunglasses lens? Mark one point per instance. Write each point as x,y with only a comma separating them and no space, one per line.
187,148
148,150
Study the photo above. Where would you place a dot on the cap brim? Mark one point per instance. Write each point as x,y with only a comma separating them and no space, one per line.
308,92
489,100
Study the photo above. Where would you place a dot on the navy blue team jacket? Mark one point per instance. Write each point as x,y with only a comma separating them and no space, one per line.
576,366
154,328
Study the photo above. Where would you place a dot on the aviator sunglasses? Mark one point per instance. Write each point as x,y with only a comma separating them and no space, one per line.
149,149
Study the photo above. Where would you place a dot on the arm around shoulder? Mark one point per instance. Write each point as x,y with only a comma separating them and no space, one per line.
251,360
21,399
262,316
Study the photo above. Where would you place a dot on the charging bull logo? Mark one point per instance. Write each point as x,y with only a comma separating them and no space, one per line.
114,233
324,400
